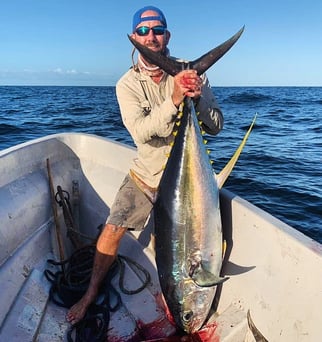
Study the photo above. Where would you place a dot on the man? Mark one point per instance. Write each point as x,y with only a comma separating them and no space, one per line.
149,100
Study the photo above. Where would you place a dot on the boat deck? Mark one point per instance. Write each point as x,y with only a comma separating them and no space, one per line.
32,316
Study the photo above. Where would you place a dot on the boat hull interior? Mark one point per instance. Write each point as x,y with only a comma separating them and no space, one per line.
275,272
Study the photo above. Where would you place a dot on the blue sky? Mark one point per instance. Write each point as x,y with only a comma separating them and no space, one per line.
78,42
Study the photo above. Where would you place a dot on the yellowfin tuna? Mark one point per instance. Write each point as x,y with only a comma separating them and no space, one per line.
187,215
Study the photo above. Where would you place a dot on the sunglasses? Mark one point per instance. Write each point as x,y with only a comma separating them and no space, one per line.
144,30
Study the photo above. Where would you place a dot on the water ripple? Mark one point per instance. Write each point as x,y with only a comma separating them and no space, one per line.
279,170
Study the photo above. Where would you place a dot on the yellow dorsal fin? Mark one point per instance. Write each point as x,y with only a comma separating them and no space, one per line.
225,172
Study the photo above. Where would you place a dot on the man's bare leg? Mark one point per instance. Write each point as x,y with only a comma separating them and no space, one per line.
106,251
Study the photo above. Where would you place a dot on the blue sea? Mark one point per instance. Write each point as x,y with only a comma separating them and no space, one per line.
280,169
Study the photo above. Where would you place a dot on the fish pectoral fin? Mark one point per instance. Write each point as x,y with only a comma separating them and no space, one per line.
205,278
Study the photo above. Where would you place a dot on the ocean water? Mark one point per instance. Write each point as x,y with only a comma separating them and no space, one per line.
280,169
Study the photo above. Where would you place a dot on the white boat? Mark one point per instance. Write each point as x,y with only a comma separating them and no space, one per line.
275,271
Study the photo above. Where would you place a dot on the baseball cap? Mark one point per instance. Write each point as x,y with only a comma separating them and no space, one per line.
138,20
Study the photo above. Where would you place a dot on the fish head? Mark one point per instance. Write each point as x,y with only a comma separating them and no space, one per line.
191,312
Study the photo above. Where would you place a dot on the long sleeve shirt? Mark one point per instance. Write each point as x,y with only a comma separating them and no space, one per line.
149,115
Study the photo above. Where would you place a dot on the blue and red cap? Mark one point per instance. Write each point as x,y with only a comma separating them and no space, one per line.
138,20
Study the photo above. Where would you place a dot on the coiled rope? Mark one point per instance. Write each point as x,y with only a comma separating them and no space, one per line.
71,280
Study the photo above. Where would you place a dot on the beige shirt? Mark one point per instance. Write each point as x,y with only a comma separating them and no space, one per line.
149,115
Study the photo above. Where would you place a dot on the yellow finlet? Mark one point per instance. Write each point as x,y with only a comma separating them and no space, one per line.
224,247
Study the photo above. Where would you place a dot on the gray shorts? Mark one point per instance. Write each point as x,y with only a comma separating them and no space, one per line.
131,207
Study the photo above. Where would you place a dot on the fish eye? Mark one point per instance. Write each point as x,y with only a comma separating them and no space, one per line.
187,316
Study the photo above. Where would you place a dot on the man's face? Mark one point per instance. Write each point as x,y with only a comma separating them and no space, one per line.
152,40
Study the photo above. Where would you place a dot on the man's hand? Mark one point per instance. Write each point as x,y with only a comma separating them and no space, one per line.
186,83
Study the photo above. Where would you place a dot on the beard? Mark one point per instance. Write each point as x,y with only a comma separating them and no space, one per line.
156,47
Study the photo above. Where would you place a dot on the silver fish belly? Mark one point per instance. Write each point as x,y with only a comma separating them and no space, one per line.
188,227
